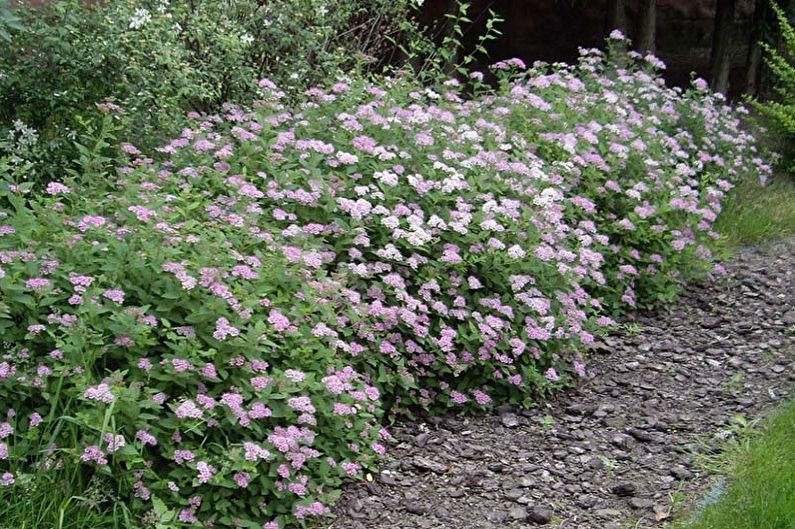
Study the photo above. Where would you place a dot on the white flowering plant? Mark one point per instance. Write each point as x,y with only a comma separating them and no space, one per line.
160,59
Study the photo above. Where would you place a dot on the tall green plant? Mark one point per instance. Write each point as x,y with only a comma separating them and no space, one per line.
780,112
431,60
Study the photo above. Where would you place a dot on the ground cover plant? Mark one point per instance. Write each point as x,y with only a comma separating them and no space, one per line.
219,328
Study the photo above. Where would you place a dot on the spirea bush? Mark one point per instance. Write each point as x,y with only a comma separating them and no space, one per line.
220,329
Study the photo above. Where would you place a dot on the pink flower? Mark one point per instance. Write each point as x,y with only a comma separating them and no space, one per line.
36,328
141,491
181,365
342,409
294,375
313,509
5,430
94,453
114,442
35,419
259,411
56,188
206,471
223,329
579,368
100,393
242,478
254,452
114,295
129,148
278,320
142,213
146,438
302,404
188,410
458,397
37,283
182,456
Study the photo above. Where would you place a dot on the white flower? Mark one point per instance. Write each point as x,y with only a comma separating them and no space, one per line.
390,222
24,135
516,252
387,178
246,38
139,18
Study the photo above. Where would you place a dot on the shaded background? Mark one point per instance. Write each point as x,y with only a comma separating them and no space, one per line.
553,30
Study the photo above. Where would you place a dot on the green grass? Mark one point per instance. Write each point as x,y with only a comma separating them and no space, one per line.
760,478
61,500
753,214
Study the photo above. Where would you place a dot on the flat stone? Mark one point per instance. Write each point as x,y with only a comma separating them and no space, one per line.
518,514
608,513
641,503
510,420
425,463
416,508
624,489
680,472
541,515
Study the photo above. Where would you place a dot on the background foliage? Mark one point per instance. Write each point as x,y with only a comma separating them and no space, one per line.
159,60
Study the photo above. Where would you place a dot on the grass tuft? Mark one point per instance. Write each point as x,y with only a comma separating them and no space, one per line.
62,499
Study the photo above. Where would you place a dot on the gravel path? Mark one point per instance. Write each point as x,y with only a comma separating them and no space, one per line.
613,452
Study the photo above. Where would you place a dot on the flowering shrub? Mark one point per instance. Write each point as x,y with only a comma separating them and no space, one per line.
220,329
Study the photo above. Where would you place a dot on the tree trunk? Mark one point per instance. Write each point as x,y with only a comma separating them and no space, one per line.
720,58
616,16
647,26
753,60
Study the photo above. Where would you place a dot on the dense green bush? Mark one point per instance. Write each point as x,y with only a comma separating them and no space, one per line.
161,59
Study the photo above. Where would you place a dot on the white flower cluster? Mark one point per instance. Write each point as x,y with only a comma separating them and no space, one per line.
23,135
140,17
